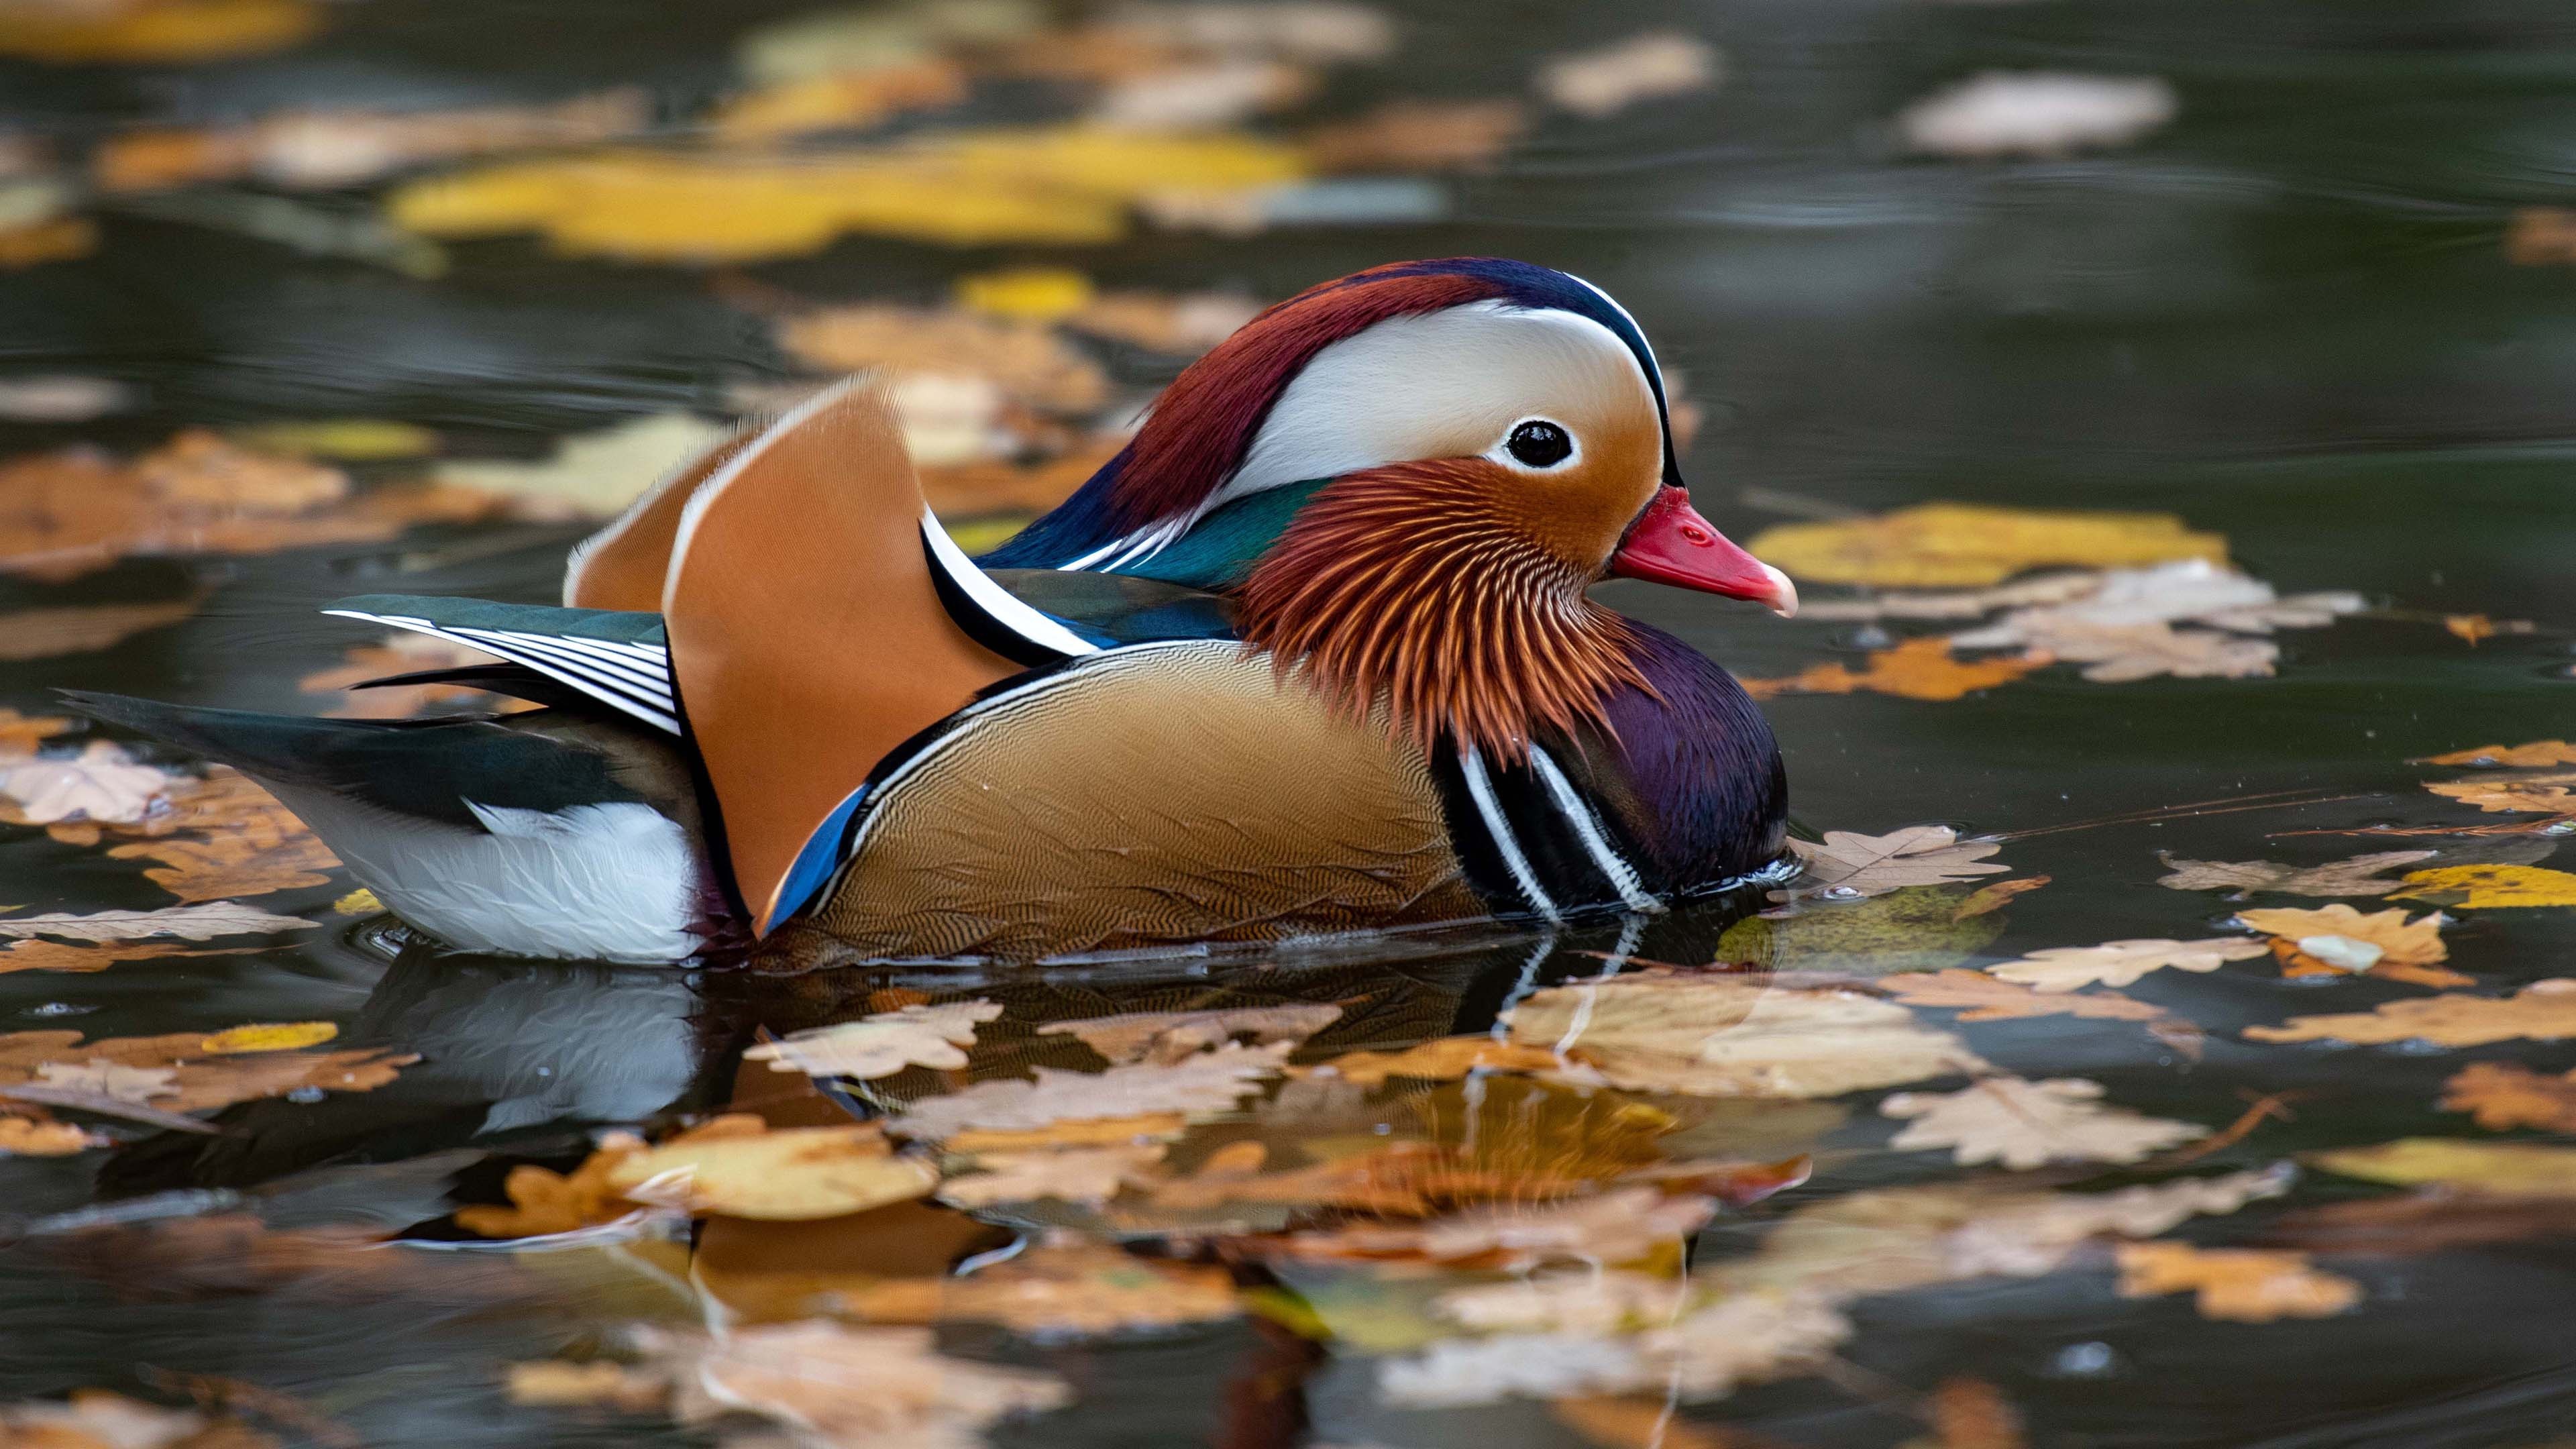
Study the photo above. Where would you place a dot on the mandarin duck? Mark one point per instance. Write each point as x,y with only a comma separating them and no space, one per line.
1312,654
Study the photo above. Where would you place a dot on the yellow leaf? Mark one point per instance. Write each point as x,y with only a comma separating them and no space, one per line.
2514,1168
1033,294
359,902
792,1174
145,32
1071,185
283,1036
2542,1011
346,440
2488,887
2382,936
1955,545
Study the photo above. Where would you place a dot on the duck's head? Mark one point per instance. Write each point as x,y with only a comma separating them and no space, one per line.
1409,477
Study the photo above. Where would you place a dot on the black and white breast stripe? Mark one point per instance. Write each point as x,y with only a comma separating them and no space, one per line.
1526,834
634,678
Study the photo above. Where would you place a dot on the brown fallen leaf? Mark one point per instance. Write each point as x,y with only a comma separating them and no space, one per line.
54,239
1169,1036
2536,755
1414,136
197,1080
21,734
1089,1175
1064,1286
2502,1096
1029,362
328,149
2239,1285
2541,1011
1402,1179
2359,876
1722,1036
1996,896
544,1202
85,628
2119,963
882,1044
1441,1059
1622,1225
1851,865
225,838
1980,997
1915,669
1205,1085
2343,941
196,923
1971,1414
28,1136
2501,794
2024,1124
848,1386
780,1174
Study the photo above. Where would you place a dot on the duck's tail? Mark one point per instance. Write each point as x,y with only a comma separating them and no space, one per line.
539,834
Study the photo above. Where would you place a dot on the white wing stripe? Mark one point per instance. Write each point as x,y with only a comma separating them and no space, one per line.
1596,843
623,672
660,718
1480,788
990,597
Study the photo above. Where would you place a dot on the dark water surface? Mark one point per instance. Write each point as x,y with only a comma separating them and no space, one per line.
2288,317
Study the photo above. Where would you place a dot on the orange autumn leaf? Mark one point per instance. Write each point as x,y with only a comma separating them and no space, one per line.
2541,1011
2501,1096
1980,997
544,1202
57,239
1972,1414
192,1080
2537,754
37,955
154,32
85,628
2235,1284
1915,669
2339,939
1441,1059
2509,793
21,733
41,1137
229,838
1996,896
838,100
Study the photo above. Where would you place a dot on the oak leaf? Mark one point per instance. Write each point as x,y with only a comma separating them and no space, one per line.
1061,1287
1205,1085
227,836
1712,1035
1978,996
2502,1095
2024,1124
202,1080
1994,897
43,955
2507,794
2359,876
1169,1036
2340,939
2541,1011
1089,1175
1851,864
2119,963
2239,1285
102,783
783,1174
20,734
544,1202
1743,1338
882,1044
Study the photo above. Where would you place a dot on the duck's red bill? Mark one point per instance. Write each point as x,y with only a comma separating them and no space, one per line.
1671,544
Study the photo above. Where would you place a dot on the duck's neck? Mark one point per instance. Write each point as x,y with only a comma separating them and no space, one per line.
1406,584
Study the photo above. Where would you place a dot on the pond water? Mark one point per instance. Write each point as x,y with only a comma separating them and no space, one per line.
2321,313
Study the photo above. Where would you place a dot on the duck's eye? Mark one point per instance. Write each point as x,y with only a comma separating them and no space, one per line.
1539,443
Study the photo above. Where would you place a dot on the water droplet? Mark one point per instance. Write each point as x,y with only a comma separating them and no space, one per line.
58,1008
1840,893
306,1095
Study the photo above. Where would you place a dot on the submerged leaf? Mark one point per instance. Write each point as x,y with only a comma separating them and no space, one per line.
2235,1284
2024,1124
85,628
2359,876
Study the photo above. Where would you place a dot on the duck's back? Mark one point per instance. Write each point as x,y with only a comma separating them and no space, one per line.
1144,797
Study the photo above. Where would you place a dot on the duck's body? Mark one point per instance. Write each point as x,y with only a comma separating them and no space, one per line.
1312,655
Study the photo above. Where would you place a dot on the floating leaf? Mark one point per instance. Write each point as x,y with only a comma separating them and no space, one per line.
838,100
1971,1414
1867,865
1619,1226
330,149
2514,1168
1026,360
97,1419
42,955
20,734
592,475
2504,1096
283,1036
101,783
1063,1287
883,1044
1442,1059
1915,669
1995,897
1200,1086
113,1080
342,440
1091,1175
29,1137
555,1384
2383,943
1715,1036
1745,1338
1419,136
849,1386
154,32
2036,113
2024,1124
196,923
227,836
2359,876
2541,1011
1980,997
1957,545
201,1080
2490,887
2236,1285
791,1173
2538,754
359,902
1600,83
2499,794
544,1202
1170,1036
2119,963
